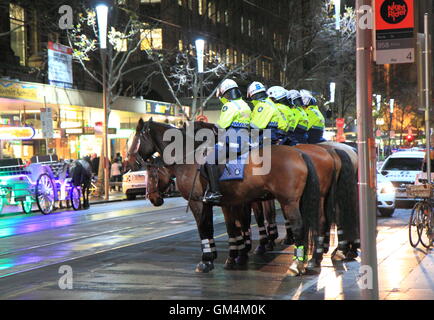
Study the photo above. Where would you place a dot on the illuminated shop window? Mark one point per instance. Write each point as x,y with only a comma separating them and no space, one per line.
18,32
151,39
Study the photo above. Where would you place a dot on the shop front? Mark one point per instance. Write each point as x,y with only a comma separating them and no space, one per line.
68,122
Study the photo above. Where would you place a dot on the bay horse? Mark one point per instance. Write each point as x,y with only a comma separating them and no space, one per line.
292,174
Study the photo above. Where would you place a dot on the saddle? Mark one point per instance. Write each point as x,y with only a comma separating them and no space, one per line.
233,170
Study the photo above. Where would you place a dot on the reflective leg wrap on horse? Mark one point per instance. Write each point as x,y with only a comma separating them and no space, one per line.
318,252
242,258
233,254
209,254
247,240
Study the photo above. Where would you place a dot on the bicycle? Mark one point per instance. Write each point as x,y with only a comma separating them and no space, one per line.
421,223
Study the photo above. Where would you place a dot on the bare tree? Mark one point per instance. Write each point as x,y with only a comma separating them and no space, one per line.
125,36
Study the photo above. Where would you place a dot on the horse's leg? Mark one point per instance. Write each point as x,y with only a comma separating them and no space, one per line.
270,216
318,249
246,220
259,216
244,245
236,240
293,215
204,219
339,253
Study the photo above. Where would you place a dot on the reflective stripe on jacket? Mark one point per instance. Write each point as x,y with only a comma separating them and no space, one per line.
235,113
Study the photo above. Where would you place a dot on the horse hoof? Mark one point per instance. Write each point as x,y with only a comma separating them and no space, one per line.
296,269
338,255
260,250
230,264
204,266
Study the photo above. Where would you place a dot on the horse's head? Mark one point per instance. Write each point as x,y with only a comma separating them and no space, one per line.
153,187
140,147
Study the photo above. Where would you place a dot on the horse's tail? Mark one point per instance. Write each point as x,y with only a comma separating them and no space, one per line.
309,204
330,200
347,197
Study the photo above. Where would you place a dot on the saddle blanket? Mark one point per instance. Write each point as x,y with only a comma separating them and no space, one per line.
234,170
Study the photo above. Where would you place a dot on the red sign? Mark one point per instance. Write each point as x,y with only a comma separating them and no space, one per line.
340,136
394,14
202,118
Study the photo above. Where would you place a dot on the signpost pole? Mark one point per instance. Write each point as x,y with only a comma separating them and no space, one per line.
427,98
366,151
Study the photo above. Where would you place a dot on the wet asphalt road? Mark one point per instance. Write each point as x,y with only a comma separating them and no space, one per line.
131,250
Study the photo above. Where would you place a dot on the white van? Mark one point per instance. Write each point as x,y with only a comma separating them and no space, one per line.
401,169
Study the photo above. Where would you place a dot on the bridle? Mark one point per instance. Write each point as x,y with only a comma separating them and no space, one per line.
154,173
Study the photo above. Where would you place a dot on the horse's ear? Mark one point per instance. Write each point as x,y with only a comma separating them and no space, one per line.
140,125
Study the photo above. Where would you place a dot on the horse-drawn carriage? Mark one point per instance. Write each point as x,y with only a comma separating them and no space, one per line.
44,181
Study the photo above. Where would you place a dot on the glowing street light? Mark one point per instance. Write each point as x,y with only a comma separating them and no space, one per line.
338,14
200,45
102,17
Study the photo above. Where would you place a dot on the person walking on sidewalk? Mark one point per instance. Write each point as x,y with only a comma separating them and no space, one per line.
116,173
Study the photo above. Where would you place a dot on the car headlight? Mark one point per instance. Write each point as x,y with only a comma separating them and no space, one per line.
386,188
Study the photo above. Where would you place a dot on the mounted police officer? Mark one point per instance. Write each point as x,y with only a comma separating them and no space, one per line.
298,127
316,121
278,95
235,119
266,114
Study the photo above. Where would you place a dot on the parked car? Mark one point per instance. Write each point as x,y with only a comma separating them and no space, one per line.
134,184
385,196
401,169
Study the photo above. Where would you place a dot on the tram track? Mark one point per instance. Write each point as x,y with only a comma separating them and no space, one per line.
133,229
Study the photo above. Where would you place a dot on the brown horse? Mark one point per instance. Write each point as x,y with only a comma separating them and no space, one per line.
291,176
325,167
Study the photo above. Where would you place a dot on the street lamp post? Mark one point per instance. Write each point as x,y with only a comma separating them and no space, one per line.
102,17
200,45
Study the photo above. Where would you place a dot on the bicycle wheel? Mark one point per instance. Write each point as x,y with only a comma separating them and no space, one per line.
413,224
425,227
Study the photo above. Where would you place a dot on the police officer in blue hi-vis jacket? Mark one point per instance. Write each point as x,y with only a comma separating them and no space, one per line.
298,130
235,119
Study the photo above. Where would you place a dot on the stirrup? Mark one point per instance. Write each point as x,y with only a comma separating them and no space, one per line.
212,197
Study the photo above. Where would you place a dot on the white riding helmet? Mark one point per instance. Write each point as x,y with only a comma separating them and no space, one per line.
306,96
293,94
254,88
225,86
277,93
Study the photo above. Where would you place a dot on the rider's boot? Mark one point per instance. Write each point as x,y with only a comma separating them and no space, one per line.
213,195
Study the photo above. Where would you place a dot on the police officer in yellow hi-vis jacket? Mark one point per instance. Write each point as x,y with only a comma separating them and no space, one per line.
298,128
316,121
266,114
278,95
235,119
